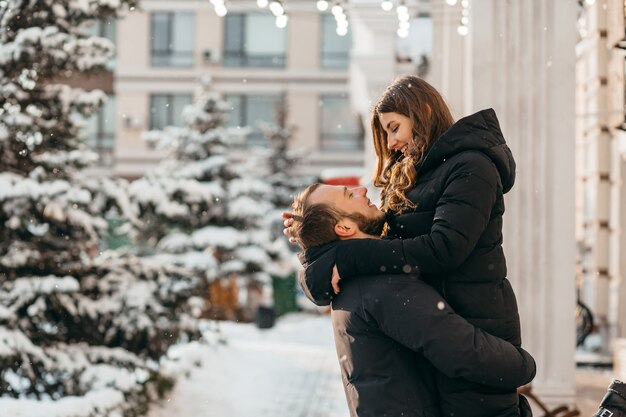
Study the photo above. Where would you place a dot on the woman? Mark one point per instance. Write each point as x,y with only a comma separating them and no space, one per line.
442,189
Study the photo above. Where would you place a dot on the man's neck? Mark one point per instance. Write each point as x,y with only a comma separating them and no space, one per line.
361,235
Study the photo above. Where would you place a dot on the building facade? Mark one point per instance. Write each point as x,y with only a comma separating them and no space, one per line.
170,48
167,51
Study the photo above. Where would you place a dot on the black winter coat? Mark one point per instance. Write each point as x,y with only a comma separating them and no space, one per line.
381,321
453,239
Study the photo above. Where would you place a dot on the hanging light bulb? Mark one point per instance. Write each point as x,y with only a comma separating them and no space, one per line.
403,33
462,30
465,20
276,8
220,8
386,5
337,9
342,30
465,3
262,3
403,12
281,21
322,5
404,25
591,2
451,2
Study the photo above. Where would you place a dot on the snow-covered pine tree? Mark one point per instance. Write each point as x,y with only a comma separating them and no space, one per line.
205,212
85,332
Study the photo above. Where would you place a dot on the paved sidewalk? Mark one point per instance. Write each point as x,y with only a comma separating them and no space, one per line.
288,371
310,387
591,385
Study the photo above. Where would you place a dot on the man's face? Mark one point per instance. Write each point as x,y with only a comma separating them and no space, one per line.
353,201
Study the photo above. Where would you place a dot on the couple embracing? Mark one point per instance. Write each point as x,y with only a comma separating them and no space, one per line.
425,321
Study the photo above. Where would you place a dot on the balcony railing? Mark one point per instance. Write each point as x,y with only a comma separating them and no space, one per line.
104,145
243,59
171,58
334,60
341,142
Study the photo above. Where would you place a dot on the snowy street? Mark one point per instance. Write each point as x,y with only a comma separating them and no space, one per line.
290,370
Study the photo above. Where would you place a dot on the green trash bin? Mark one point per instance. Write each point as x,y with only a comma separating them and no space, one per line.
284,294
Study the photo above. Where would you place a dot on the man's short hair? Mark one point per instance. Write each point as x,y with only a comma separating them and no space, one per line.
314,224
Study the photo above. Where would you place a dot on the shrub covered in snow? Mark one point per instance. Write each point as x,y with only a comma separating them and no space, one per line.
80,334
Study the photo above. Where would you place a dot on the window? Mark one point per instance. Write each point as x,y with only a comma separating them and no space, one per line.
249,110
341,129
100,131
253,40
104,29
172,39
335,48
166,109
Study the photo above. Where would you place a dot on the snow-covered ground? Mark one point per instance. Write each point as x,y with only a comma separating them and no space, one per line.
290,370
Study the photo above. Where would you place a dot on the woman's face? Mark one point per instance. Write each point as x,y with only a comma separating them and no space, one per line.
399,131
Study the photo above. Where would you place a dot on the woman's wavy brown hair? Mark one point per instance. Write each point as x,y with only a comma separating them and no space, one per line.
414,98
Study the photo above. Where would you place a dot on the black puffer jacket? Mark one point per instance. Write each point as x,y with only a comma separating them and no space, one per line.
453,238
454,235
390,330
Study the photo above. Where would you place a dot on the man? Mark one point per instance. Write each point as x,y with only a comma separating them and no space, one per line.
614,402
390,330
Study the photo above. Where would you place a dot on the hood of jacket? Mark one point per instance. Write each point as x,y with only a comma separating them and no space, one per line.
318,268
477,132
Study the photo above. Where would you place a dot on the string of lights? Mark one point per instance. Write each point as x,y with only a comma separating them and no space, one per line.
339,7
403,19
463,28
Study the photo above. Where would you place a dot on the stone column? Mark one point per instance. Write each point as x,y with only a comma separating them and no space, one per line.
617,269
615,81
617,286
448,73
599,109
372,63
522,57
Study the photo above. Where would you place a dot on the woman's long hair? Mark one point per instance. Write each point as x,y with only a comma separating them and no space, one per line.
414,98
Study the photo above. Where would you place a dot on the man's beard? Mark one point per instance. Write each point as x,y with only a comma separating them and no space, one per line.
369,225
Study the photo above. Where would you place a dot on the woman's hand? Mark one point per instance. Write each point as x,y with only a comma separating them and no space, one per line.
288,222
335,280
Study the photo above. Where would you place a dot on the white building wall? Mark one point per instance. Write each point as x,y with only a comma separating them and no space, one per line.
450,65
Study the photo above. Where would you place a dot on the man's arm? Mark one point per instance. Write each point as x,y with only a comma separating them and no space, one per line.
318,267
416,316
